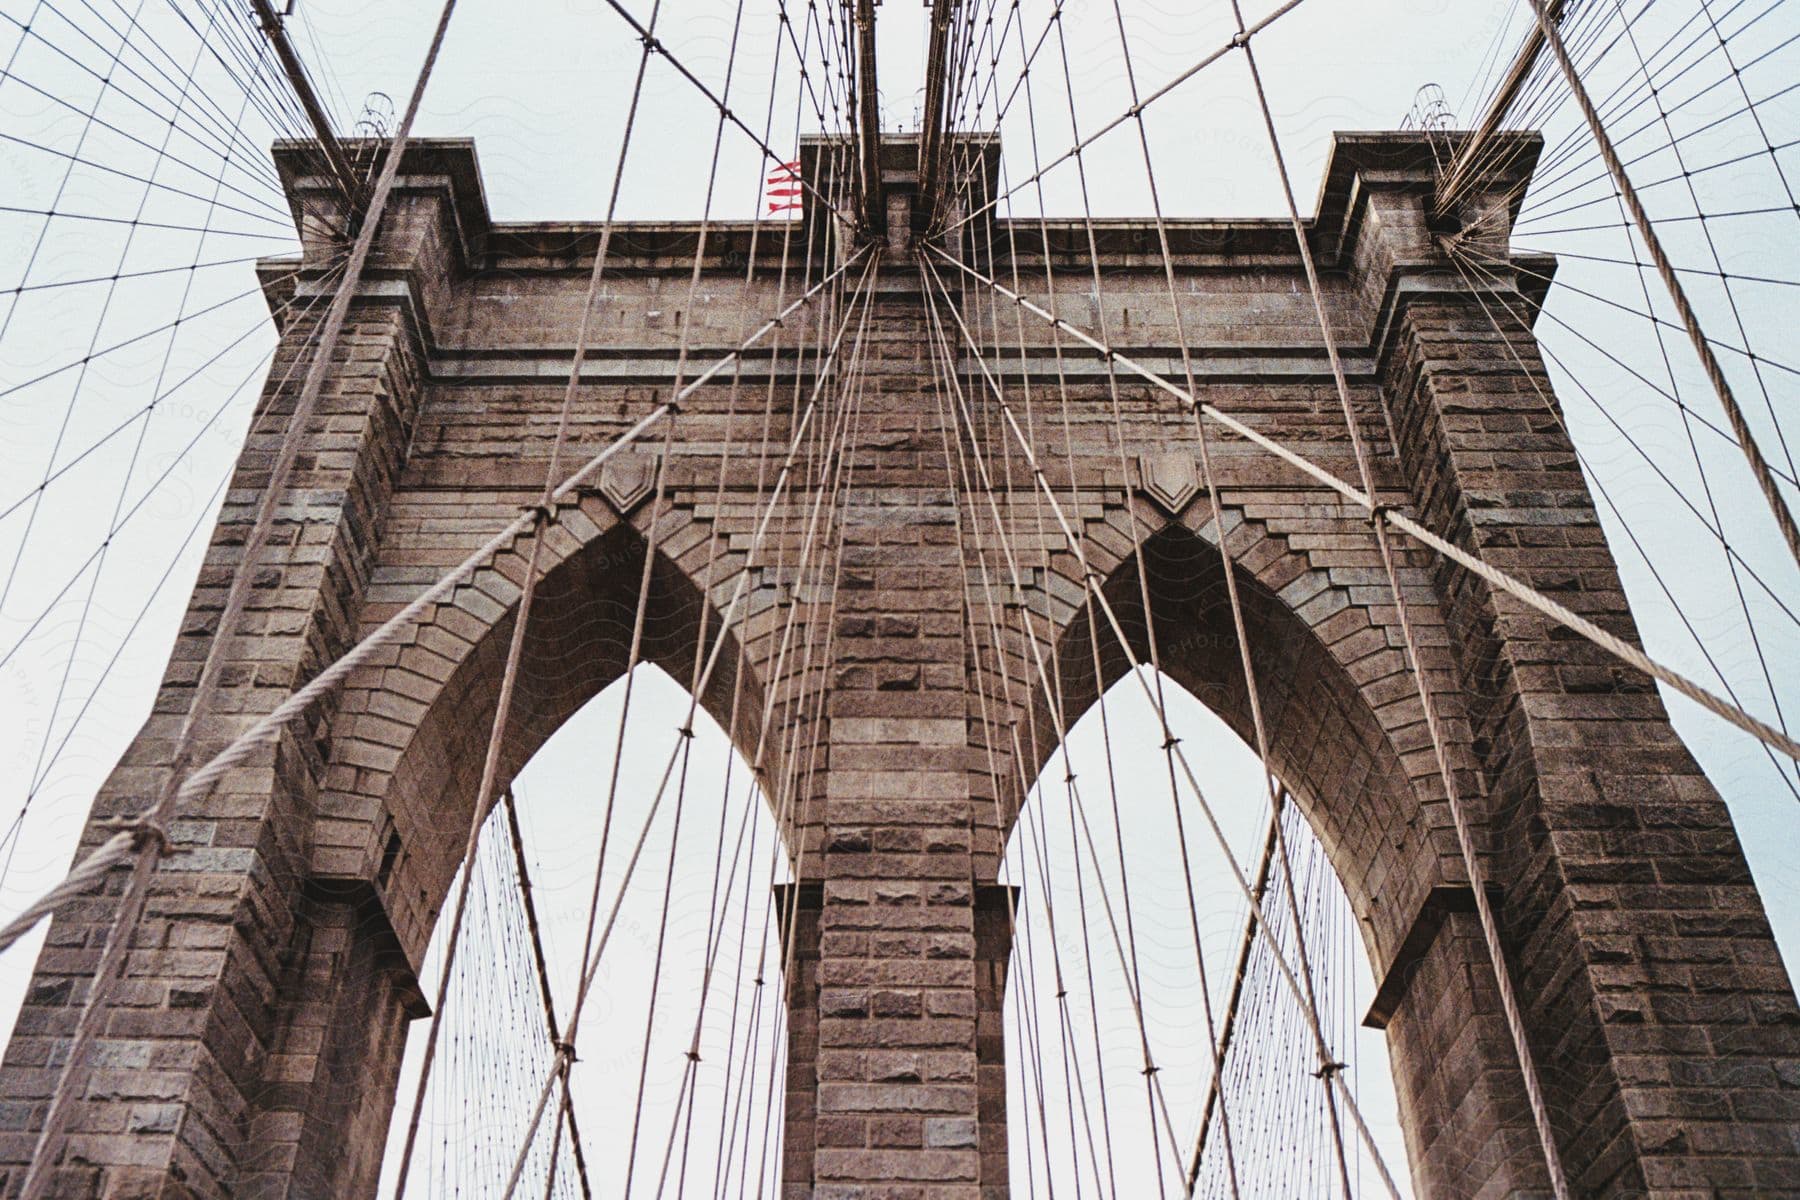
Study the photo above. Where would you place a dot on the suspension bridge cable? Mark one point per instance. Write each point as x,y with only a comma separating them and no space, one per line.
542,967
225,137
655,46
704,677
199,372
1020,756
699,639
121,845
1044,534
1168,87
1093,589
1400,522
1251,683
69,159
839,465
799,816
147,839
1713,525
117,526
1158,1100
1465,840
962,483
781,795
1149,1067
1215,1090
105,307
1000,644
740,672
515,648
1730,439
667,408
1063,390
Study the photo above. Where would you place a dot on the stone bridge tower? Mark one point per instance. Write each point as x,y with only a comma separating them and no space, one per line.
254,1047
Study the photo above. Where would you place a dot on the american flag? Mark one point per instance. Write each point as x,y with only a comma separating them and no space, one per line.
784,191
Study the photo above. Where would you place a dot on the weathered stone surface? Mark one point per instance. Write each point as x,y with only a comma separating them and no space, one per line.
255,1047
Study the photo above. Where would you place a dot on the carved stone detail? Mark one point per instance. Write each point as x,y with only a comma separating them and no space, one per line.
1170,478
627,478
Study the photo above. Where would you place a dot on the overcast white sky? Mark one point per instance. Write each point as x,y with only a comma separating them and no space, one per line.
542,89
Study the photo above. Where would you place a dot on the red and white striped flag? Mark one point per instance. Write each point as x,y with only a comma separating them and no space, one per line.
784,190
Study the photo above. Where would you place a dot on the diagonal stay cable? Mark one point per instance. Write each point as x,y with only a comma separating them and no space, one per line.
947,392
1252,687
947,389
140,835
1118,121
114,528
1091,585
1713,524
1393,518
789,683
210,117
702,679
497,730
76,364
1464,836
147,838
541,966
653,45
101,218
565,1050
1759,467
265,730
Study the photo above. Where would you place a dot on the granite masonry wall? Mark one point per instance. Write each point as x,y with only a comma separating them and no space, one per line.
253,1047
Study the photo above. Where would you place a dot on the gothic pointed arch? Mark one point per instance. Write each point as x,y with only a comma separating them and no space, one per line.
1343,722
1347,738
418,738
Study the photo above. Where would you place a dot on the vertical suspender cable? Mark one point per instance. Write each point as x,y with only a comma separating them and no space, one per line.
1464,835
516,643
152,839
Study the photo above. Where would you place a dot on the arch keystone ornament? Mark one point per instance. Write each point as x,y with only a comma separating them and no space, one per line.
626,480
257,1050
1172,479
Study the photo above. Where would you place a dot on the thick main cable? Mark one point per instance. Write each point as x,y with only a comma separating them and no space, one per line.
1392,518
117,848
1759,467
